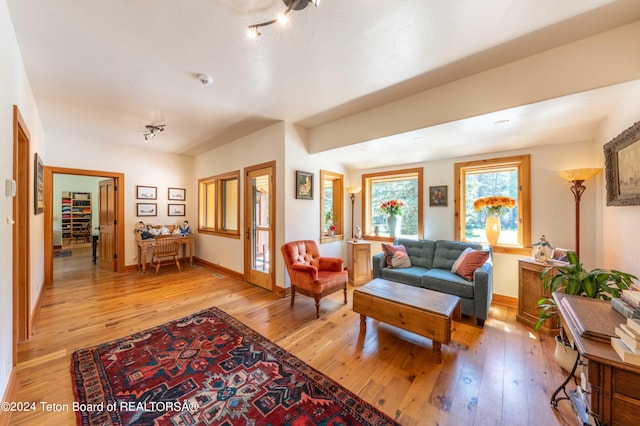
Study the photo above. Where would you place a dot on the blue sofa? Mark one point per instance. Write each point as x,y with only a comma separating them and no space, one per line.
431,263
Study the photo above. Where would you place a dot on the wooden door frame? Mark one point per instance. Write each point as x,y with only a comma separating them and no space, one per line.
49,171
21,244
272,221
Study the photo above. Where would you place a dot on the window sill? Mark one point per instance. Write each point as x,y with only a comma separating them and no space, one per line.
512,250
219,234
328,239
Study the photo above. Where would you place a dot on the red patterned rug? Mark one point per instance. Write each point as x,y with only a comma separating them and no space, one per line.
207,369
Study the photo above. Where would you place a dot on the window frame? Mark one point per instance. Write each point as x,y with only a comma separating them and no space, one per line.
523,165
220,213
368,178
337,180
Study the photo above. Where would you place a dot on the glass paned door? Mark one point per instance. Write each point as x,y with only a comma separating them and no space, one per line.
259,219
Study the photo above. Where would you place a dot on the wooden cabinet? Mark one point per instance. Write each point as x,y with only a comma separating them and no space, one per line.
530,290
76,216
359,262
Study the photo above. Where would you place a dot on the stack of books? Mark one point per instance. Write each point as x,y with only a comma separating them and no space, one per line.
628,305
627,344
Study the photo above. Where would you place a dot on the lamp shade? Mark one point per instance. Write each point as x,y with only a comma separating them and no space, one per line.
353,189
579,174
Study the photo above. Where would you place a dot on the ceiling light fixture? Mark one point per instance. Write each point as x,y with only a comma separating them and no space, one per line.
153,130
283,18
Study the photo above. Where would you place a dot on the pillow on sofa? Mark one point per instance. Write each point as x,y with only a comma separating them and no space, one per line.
396,256
468,262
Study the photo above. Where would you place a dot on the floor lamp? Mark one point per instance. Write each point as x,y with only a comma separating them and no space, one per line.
575,178
353,190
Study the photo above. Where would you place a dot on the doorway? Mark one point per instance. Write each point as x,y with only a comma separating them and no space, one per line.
21,231
107,197
259,219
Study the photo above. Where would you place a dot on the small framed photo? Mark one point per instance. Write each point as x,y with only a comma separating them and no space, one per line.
560,255
146,193
438,196
175,210
146,209
304,185
177,194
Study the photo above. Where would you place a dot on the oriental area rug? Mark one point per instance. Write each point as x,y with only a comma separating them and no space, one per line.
207,369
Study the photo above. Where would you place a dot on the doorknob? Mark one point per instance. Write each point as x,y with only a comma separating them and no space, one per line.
248,233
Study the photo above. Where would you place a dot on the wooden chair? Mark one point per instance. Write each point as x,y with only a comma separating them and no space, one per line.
311,274
164,247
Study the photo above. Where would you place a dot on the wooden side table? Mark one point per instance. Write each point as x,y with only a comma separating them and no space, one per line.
359,261
530,290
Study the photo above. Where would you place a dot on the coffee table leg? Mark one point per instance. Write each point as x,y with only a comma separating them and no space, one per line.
363,323
437,352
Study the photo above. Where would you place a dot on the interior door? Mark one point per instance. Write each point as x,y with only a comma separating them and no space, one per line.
259,219
107,221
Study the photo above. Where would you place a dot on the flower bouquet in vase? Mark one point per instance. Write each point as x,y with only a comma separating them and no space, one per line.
493,207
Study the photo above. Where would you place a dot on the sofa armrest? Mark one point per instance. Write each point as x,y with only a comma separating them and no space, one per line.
379,262
483,290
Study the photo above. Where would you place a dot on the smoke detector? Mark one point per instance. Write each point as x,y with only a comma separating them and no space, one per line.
205,79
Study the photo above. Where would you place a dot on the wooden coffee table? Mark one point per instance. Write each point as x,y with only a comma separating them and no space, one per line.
418,310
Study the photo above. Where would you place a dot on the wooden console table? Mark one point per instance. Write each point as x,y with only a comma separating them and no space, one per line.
144,245
613,386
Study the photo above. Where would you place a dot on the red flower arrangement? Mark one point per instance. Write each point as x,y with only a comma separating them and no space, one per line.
392,207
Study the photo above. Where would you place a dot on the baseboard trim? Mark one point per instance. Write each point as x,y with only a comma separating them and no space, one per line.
499,299
221,269
35,315
9,395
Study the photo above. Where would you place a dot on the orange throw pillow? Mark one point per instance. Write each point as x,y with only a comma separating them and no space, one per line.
472,261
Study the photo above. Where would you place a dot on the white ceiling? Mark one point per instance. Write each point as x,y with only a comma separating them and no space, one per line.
102,70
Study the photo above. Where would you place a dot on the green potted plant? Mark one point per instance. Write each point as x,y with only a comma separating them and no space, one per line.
573,279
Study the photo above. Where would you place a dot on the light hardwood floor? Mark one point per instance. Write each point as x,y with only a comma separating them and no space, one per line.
502,374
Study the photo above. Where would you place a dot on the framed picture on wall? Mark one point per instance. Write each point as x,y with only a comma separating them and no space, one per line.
175,210
304,185
177,194
146,192
622,168
146,209
438,196
38,184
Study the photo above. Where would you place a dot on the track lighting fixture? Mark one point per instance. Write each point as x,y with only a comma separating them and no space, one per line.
254,30
153,130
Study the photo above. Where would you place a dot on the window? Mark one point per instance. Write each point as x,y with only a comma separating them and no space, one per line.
331,206
402,185
219,205
508,177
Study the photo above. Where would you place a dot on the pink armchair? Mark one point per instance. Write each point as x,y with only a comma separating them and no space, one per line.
312,275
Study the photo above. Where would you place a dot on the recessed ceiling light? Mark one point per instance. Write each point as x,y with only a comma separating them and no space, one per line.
502,122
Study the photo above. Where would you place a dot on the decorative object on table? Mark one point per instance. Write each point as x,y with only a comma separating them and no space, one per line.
576,177
573,279
493,207
177,194
560,255
622,168
393,210
304,185
208,368
146,193
542,250
38,184
185,229
358,233
438,196
176,210
353,190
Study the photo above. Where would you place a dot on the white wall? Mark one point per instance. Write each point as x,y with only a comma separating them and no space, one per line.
14,90
619,230
552,211
147,168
